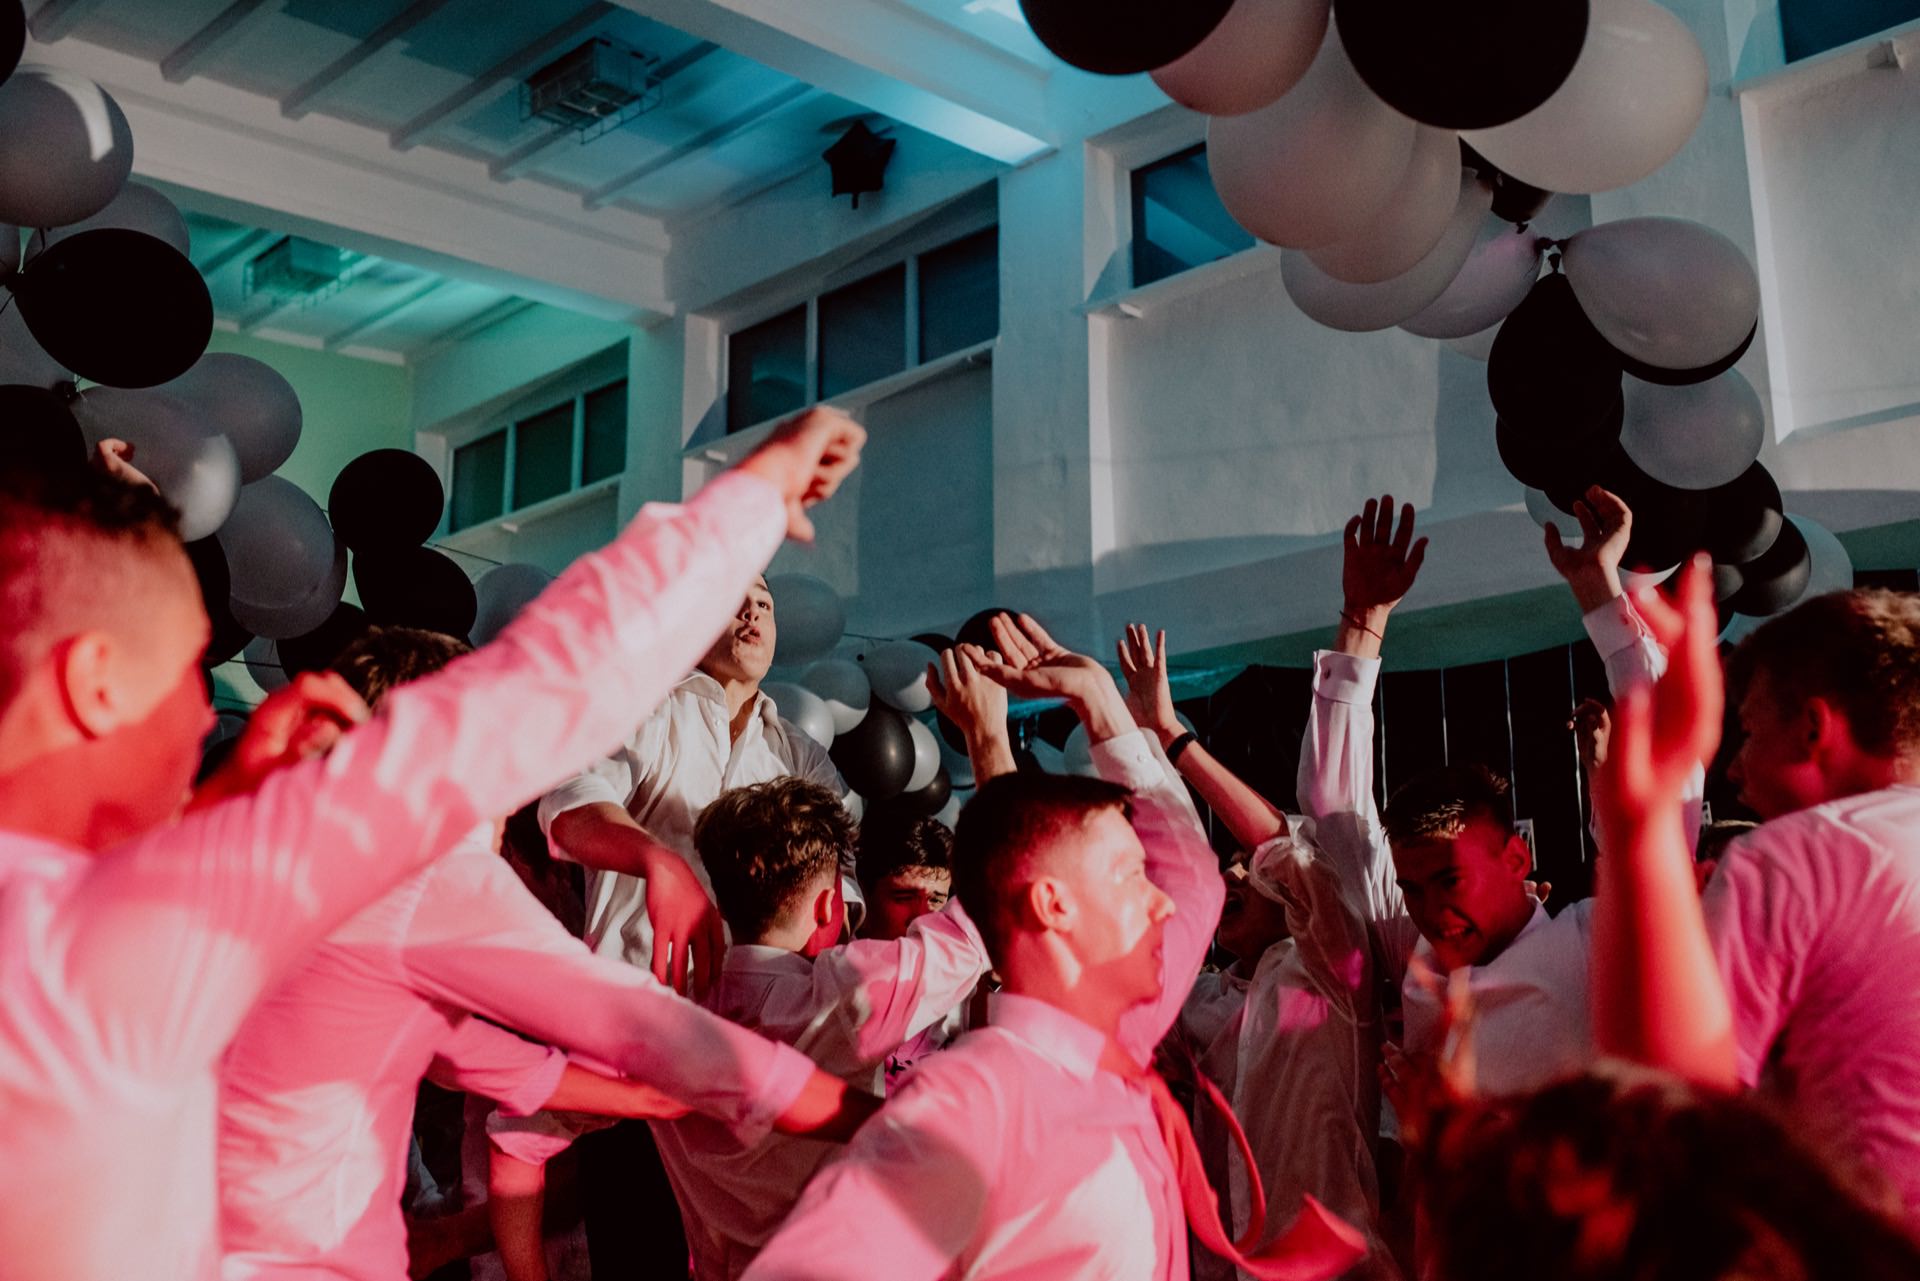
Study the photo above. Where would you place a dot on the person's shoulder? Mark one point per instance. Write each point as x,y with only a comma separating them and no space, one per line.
976,1071
803,755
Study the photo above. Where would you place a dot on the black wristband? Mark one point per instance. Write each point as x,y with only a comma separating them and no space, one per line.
1178,746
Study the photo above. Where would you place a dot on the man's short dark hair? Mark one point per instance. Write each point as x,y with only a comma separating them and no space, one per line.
764,845
72,542
385,657
891,841
1858,650
1716,838
1008,820
1438,805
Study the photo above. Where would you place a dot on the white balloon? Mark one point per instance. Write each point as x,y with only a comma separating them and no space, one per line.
1321,160
22,360
500,594
1544,513
897,670
1696,436
926,756
262,656
1474,346
1258,52
806,709
1629,105
249,403
138,207
807,616
1077,756
1633,580
1409,225
1363,308
950,812
278,544
282,622
1499,270
192,465
855,805
1665,291
65,148
843,687
1832,566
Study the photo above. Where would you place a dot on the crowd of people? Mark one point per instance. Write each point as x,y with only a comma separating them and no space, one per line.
709,1025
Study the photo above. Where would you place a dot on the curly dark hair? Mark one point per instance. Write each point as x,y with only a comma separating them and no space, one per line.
1438,804
764,845
892,840
1858,650
384,657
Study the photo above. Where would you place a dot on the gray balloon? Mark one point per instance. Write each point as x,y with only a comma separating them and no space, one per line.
192,465
283,622
248,402
501,593
279,546
138,207
22,360
262,657
65,148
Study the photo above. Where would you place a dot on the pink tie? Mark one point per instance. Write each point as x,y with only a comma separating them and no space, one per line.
1318,1246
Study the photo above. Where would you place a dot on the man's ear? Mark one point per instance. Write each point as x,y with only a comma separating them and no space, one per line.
1047,905
1820,728
84,669
1517,856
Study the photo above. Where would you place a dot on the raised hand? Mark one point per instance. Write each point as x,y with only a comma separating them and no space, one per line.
1592,726
1592,569
1381,563
1034,665
1149,696
1660,736
962,694
303,718
806,458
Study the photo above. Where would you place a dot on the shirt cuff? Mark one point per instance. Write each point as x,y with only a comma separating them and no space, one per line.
538,1138
1344,678
1614,626
584,789
787,1075
1128,760
533,1091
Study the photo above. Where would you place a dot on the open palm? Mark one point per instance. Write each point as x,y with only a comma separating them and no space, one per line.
1381,562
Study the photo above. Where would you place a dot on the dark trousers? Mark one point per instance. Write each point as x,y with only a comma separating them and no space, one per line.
633,1223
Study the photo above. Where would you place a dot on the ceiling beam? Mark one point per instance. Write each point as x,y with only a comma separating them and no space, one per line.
179,66
756,114
522,158
886,56
381,315
56,19
481,321
300,101
491,82
232,154
238,247
743,191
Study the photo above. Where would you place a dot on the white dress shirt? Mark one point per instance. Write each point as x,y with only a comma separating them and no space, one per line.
317,1090
1531,1000
1010,1154
1816,920
1295,1048
669,770
847,1010
123,975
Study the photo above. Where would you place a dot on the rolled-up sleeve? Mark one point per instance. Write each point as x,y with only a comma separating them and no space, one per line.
478,1058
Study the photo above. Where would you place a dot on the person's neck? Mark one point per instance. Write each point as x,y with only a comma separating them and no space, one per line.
1499,941
47,797
1050,988
788,936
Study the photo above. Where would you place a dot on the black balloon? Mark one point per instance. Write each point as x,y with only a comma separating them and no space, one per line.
935,641
1122,37
415,587
1777,578
1744,516
1559,461
1550,370
13,36
37,429
385,499
1462,64
116,306
320,648
876,756
925,803
216,587
1669,524
1681,377
976,630
1727,581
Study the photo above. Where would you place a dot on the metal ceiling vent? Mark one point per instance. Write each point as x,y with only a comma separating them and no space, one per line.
593,88
297,269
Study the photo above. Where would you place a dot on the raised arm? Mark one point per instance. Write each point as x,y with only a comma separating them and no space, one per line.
977,706
1657,993
172,938
1251,818
889,991
1329,933
1179,860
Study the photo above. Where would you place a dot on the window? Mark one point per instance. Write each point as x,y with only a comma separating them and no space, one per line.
540,455
935,303
1808,27
1178,220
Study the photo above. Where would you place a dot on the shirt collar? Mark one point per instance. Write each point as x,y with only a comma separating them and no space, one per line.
701,685
1056,1034
757,958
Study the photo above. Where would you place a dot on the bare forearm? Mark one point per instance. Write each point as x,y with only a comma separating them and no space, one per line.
990,752
1101,709
827,1108
1251,818
516,1196
604,836
1657,993
1362,628
1594,585
584,1090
